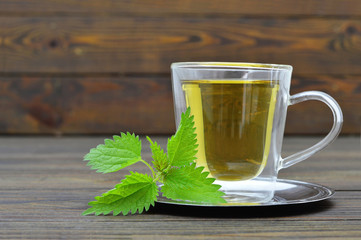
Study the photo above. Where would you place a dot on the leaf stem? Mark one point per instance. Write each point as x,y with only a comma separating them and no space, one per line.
157,177
153,173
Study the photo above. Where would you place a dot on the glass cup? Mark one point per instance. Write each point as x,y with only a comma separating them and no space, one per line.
240,111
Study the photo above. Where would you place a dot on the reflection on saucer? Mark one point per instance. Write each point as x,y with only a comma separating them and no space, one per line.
287,192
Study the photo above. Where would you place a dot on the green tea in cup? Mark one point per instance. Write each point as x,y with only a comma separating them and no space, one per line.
233,120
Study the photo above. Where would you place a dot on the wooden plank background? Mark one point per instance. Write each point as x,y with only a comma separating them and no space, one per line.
45,186
99,67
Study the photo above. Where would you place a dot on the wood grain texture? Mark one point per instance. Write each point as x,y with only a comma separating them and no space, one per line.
45,186
315,117
150,44
75,67
247,7
74,105
110,104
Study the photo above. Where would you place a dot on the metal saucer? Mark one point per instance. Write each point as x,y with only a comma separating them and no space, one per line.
288,192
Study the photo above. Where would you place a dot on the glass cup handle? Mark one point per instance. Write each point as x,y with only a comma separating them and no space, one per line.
331,136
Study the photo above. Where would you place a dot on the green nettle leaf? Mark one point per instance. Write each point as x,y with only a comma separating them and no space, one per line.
135,193
176,169
182,147
115,155
191,184
161,161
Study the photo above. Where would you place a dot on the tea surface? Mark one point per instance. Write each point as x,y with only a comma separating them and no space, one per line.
233,120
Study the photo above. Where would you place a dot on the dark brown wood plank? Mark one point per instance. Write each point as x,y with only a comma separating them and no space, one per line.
315,117
248,7
201,229
86,105
139,45
110,104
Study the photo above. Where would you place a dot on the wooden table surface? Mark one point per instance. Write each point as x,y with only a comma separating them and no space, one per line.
45,186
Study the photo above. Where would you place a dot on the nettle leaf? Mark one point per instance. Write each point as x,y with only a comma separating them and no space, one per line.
135,193
182,147
161,161
191,184
115,154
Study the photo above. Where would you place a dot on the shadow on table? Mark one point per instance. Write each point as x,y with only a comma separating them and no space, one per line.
242,212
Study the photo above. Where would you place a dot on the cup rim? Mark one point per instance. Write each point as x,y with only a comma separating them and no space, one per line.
231,65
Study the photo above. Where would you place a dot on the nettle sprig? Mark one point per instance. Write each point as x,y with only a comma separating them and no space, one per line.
175,170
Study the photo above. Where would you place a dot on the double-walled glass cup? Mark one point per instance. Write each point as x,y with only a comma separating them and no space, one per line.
239,111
